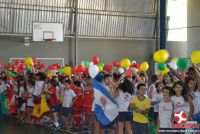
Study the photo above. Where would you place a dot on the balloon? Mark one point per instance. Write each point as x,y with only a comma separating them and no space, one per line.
86,71
86,64
133,62
93,71
43,65
136,66
121,70
22,66
80,68
29,60
101,64
175,59
73,70
114,68
164,71
67,71
195,57
0,66
34,60
161,66
91,63
144,66
128,73
108,67
161,56
182,64
173,65
95,59
61,71
100,68
116,63
125,63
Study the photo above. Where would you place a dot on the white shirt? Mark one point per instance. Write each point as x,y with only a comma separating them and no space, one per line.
157,98
68,97
2,88
165,113
196,102
38,88
30,100
123,101
180,104
153,92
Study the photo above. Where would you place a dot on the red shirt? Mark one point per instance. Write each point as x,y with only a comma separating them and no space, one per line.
88,97
79,93
53,97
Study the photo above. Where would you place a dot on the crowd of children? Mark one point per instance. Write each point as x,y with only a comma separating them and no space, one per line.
69,100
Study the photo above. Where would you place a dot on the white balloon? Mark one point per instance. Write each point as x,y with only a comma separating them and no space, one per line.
121,70
91,63
173,65
134,62
93,71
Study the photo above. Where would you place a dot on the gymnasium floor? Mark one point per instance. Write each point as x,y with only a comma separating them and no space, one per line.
8,126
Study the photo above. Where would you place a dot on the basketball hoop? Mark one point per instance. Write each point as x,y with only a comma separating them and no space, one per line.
49,40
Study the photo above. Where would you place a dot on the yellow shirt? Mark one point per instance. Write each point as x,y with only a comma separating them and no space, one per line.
140,104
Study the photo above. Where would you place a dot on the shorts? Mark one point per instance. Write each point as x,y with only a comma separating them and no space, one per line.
124,116
140,128
66,111
54,109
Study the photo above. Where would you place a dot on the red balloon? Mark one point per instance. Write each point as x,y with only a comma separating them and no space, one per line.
95,59
43,65
6,67
108,67
9,77
116,63
73,70
128,73
34,60
14,67
80,68
22,66
20,70
52,67
17,62
136,65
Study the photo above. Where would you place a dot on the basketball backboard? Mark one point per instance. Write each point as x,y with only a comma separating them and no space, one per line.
43,31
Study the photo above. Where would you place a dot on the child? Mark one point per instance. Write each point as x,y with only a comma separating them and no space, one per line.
126,90
165,110
78,104
30,104
168,80
69,98
194,94
141,106
87,101
181,100
2,90
54,103
157,97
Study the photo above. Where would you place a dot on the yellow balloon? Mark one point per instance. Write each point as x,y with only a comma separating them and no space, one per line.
67,70
144,66
164,71
161,56
100,68
175,59
125,63
195,57
29,61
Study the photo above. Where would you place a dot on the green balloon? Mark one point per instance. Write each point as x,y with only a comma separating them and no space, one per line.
161,66
182,64
61,71
114,68
101,64
86,64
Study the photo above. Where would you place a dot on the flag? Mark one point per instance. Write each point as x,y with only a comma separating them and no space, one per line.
4,104
108,113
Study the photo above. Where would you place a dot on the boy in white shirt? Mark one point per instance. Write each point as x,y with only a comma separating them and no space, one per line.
69,98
